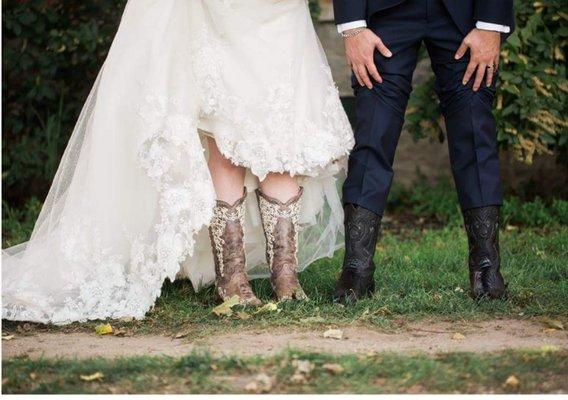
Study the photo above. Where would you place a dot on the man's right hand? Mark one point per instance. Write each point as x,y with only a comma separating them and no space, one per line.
360,50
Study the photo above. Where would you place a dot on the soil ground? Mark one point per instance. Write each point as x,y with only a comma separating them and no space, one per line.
423,336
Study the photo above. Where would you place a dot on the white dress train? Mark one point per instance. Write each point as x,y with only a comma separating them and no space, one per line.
132,198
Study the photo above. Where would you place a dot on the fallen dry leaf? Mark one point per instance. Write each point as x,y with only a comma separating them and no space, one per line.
120,332
512,382
126,319
261,383
333,334
226,308
333,368
458,336
550,331
243,315
97,376
298,378
182,334
104,329
304,367
553,323
33,376
268,307
8,337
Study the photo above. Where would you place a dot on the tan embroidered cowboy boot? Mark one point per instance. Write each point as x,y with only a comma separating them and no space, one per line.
227,240
280,222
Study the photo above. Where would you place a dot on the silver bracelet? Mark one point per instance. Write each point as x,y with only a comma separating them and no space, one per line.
352,32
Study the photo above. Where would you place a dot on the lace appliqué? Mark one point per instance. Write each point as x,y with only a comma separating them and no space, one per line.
270,213
302,148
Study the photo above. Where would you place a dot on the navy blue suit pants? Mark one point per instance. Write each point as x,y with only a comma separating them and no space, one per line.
380,111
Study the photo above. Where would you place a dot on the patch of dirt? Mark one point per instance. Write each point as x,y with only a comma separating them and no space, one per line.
429,337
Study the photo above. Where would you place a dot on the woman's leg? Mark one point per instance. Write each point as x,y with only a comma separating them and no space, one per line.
281,187
228,179
226,228
279,200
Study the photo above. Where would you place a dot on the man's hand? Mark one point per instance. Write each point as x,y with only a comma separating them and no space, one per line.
484,49
360,50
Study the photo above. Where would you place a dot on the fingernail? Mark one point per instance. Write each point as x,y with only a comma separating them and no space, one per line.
389,54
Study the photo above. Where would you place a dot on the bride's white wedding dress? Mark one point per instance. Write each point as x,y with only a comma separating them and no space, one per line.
132,199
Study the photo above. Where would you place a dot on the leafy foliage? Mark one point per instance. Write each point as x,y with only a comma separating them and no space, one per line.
531,105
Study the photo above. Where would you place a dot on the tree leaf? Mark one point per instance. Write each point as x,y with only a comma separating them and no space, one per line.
303,367
333,334
268,307
104,329
512,382
182,334
333,368
553,323
261,383
243,315
226,308
97,376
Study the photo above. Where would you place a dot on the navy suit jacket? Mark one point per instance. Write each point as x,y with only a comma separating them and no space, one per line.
465,13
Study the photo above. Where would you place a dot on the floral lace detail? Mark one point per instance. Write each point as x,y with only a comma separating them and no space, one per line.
303,147
173,156
270,212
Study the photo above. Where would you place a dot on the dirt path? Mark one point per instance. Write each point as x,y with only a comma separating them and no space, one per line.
427,337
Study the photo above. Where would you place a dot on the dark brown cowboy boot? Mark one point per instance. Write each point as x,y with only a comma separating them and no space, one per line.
280,222
227,240
482,226
362,229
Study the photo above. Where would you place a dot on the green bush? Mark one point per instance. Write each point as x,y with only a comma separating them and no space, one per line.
560,211
511,210
535,213
18,224
531,105
437,202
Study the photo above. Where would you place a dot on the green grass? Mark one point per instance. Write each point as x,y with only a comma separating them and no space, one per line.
421,274
542,371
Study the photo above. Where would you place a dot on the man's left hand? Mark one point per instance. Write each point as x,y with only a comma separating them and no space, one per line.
484,47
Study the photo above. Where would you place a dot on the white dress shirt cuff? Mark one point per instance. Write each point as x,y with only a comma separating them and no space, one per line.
487,26
351,25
